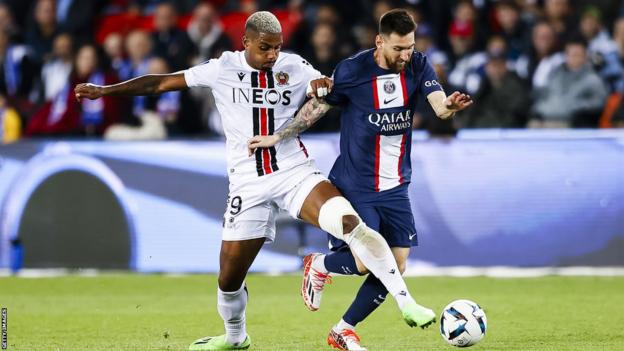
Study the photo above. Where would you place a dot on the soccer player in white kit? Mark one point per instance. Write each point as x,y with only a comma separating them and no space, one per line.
257,91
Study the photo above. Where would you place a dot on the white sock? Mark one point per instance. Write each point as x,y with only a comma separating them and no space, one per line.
318,263
342,325
373,250
231,306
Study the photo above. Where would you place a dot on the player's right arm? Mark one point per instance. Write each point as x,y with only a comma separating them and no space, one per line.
144,85
309,113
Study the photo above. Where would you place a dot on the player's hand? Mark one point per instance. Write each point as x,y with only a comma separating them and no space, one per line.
261,141
320,87
89,91
458,101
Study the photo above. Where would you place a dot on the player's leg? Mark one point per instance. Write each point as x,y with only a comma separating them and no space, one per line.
370,296
327,209
234,260
372,293
249,221
317,266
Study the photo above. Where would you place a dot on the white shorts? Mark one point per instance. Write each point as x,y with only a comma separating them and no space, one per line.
253,204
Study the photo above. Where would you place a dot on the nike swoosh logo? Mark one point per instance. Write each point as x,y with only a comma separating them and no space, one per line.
412,236
389,101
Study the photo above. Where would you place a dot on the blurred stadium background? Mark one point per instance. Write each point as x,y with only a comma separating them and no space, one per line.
527,182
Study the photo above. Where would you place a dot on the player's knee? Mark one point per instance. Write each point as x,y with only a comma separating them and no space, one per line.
362,270
228,283
349,222
401,261
402,266
338,217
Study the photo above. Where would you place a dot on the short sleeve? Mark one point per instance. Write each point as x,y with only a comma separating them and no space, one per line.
338,95
203,75
429,82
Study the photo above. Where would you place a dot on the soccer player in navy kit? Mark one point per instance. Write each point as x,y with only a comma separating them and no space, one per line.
377,90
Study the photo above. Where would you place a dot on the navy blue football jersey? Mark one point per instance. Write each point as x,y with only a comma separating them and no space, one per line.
376,121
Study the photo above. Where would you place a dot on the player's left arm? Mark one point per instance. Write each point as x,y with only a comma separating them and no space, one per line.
443,106
446,106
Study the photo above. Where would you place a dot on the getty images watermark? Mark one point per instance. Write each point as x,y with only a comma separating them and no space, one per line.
4,329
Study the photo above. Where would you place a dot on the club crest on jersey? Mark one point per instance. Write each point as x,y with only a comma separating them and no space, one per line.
389,87
281,78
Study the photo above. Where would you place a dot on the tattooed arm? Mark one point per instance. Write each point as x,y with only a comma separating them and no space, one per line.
143,85
309,113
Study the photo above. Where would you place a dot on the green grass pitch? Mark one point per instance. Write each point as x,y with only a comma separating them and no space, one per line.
155,312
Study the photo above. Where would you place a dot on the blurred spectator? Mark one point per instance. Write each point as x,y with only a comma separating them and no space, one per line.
17,73
114,49
206,33
618,37
66,116
147,7
323,57
468,72
381,7
466,19
325,13
602,50
169,41
502,100
322,53
512,27
76,17
574,95
139,48
10,123
158,112
613,113
43,30
7,23
56,71
543,57
462,49
559,14
423,42
364,35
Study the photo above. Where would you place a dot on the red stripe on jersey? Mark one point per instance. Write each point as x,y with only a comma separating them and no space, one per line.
264,126
263,79
401,178
375,97
404,86
266,159
305,151
377,142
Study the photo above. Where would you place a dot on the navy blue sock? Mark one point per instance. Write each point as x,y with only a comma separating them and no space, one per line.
370,296
341,262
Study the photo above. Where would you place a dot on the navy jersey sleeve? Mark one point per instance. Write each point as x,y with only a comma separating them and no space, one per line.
429,82
339,95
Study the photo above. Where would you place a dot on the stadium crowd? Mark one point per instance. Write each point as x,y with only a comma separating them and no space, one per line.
527,63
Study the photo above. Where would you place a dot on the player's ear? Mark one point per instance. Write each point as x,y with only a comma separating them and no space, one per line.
246,41
378,41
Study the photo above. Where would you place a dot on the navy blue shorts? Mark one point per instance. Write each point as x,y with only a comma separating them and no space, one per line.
388,212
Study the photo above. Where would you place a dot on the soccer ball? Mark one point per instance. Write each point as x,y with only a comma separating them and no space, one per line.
462,323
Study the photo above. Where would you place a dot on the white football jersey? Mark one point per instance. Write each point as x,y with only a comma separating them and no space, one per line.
253,102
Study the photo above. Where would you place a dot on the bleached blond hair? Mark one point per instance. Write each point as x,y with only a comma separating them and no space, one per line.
263,22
